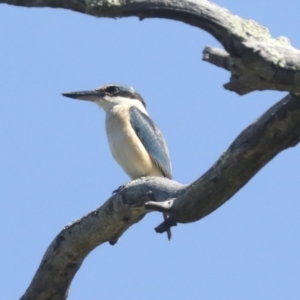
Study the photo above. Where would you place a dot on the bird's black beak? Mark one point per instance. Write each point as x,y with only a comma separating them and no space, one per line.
84,95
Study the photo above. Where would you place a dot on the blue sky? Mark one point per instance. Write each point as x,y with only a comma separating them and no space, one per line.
56,165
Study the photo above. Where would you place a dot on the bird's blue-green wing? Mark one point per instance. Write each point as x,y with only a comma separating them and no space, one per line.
152,139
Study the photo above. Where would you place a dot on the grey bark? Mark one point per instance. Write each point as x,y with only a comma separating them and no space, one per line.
256,62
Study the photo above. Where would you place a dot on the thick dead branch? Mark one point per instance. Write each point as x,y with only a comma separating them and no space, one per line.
274,131
256,60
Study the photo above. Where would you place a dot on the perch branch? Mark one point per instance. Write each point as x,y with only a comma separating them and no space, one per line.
276,130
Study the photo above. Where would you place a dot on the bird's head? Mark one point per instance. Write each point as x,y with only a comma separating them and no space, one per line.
110,95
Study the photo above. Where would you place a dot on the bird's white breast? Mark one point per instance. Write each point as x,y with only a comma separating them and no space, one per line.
126,146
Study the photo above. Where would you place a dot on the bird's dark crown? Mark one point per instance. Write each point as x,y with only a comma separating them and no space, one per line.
122,91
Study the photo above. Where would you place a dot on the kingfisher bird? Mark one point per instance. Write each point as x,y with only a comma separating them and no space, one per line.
135,142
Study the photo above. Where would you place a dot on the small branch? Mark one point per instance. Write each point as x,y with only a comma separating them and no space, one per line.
165,226
256,69
217,57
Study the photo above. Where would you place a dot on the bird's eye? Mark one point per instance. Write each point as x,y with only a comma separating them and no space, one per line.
112,90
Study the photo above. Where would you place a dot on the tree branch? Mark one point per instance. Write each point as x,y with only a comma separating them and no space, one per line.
71,246
256,60
276,130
